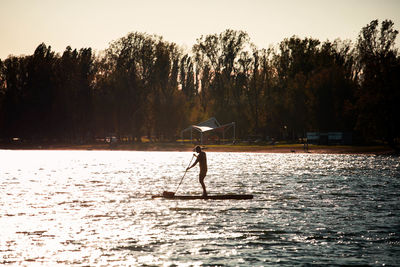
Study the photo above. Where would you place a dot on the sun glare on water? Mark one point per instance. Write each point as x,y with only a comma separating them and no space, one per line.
95,208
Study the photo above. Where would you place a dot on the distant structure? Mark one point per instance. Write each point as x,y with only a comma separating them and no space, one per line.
329,138
210,125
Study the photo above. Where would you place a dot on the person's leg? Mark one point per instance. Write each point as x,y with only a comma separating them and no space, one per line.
201,180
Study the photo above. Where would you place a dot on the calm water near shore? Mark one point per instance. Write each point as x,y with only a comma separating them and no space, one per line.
95,208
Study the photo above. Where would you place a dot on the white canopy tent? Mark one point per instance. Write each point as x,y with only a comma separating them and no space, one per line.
210,125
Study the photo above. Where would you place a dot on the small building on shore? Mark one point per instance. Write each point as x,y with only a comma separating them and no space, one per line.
330,138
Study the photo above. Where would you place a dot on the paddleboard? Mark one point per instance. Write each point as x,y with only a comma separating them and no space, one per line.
216,197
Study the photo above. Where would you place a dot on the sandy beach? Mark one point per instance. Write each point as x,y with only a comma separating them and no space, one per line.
285,148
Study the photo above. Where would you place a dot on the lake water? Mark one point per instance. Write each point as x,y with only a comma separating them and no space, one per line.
95,208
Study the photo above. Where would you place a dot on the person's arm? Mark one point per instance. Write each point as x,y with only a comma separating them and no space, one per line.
194,164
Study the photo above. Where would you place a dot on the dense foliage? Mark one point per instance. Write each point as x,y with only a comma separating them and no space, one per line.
143,85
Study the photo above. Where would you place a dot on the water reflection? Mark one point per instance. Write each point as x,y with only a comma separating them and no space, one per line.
95,208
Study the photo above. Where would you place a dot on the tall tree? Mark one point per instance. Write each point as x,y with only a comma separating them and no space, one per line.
40,93
294,63
187,76
379,91
130,61
217,58
330,89
15,80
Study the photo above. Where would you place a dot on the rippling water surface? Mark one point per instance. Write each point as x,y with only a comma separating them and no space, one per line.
95,208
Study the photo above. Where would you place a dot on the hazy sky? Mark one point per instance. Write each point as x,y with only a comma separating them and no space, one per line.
24,24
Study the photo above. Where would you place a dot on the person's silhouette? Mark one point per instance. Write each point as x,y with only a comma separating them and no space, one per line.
202,160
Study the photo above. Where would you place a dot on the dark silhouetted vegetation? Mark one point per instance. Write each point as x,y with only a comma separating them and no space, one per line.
143,85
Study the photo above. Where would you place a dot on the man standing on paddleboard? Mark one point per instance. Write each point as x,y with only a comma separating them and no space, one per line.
202,160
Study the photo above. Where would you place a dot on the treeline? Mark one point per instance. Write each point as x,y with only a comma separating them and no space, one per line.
143,85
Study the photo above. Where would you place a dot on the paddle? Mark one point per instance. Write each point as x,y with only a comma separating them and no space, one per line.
172,194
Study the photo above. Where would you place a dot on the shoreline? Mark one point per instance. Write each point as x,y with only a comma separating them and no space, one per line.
286,148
